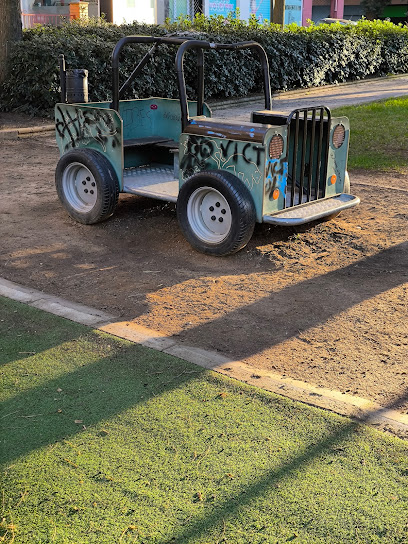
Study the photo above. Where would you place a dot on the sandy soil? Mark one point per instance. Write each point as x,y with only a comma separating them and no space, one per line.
325,303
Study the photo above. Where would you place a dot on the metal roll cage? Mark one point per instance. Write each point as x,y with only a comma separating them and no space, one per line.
184,44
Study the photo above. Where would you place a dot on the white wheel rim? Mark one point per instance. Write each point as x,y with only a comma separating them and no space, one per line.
209,215
79,186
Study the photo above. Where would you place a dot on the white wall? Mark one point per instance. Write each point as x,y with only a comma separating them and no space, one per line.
244,9
133,10
26,5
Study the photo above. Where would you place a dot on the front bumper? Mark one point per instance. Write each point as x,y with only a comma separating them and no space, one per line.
311,211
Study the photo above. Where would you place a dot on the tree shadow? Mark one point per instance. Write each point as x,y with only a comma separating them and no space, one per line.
26,331
96,392
229,508
64,405
304,305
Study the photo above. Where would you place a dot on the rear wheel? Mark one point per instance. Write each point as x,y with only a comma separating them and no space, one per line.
87,185
216,213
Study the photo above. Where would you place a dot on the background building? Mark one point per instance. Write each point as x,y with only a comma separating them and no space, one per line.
156,11
55,11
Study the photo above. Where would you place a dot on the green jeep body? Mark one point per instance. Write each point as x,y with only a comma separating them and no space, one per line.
224,175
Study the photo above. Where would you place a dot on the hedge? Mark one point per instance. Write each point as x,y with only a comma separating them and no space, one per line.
298,57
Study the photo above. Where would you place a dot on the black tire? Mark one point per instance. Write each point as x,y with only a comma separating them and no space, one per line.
87,185
216,212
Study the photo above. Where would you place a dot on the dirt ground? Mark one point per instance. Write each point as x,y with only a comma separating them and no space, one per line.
326,303
20,120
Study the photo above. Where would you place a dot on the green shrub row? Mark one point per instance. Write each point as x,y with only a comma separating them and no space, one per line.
298,57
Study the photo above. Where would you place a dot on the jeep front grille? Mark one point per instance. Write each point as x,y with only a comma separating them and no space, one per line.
308,137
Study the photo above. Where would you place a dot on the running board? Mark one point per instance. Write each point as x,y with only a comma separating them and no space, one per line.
155,181
311,211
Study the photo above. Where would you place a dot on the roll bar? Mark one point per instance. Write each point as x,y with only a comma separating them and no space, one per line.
184,44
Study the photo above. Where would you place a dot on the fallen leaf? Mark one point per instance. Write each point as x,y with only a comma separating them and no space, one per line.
198,497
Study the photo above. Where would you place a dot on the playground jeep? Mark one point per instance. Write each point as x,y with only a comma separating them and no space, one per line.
224,175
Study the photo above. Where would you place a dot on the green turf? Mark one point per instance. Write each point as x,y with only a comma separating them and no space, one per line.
378,135
103,441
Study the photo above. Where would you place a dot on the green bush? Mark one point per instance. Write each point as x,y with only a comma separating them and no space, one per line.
298,57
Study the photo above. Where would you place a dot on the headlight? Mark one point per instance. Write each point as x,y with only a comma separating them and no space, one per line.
339,134
276,147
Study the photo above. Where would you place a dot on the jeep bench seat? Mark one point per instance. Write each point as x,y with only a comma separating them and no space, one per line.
155,141
267,116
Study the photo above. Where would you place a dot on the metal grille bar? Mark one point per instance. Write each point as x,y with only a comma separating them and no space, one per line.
308,137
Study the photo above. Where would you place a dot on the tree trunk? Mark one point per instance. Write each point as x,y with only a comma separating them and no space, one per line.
107,8
10,31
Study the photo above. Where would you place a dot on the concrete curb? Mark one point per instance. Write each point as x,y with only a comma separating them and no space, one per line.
16,133
321,397
54,305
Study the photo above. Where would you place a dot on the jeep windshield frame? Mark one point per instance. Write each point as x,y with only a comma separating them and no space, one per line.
184,45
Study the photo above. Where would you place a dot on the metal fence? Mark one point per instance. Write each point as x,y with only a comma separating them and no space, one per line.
55,14
175,8
31,19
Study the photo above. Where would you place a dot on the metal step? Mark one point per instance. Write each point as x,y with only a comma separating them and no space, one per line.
155,181
311,211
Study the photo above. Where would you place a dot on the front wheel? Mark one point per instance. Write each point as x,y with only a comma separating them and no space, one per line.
216,213
87,185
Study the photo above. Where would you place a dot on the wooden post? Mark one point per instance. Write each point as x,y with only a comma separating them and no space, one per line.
74,11
107,10
279,12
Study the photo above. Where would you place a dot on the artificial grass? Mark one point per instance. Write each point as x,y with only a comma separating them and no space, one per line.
104,441
378,135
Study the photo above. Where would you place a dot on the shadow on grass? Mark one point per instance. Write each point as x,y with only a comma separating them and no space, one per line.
260,487
92,393
133,374
98,391
24,331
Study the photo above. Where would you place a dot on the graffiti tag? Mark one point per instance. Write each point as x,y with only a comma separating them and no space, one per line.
276,176
78,126
201,153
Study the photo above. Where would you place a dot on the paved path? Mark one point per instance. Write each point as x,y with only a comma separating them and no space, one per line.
332,96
